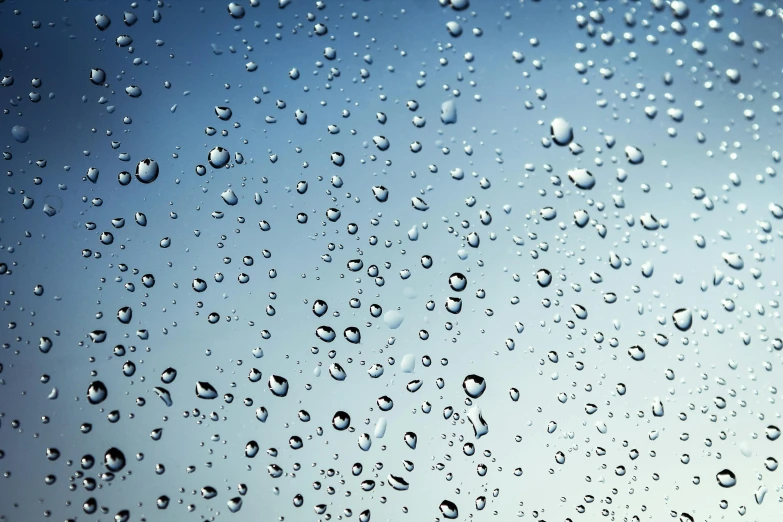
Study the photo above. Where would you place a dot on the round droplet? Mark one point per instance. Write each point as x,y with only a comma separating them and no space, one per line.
251,449
199,285
633,155
381,142
474,386
381,193
338,158
733,260
97,76
393,319
458,282
278,385
218,157
454,28
325,333
20,133
205,390
236,10
223,113
124,314
114,460
234,504
337,372
582,178
726,478
97,392
562,132
365,442
102,22
319,308
147,170
454,304
636,353
352,335
683,319
341,421
543,277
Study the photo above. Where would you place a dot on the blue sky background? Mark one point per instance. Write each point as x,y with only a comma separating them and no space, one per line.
504,111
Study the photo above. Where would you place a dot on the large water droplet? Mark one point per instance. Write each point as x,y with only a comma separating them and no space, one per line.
726,478
97,392
326,333
582,178
114,460
218,157
449,509
341,421
562,134
278,385
147,170
205,390
474,386
683,319
633,155
458,282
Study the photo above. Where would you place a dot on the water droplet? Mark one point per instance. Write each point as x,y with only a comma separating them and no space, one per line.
97,392
636,353
454,28
683,319
325,333
458,282
20,133
454,304
229,197
562,134
218,157
124,314
102,22
365,442
381,193
448,112
147,170
381,142
726,478
337,372
398,483
278,385
234,504
449,509
633,155
393,319
114,460
236,10
338,159
251,449
205,390
543,277
582,178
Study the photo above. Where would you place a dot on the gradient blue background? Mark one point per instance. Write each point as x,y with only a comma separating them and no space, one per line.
502,117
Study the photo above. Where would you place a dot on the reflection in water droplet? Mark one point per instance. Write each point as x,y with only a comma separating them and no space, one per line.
449,509
97,392
726,478
562,134
683,319
633,155
278,385
474,386
636,353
